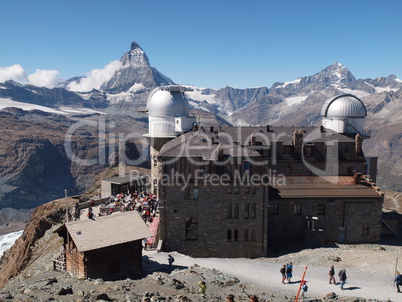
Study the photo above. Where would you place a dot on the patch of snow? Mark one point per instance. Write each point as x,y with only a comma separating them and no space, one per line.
358,93
338,75
287,83
197,95
7,241
137,87
295,100
68,110
204,109
382,89
398,80
5,103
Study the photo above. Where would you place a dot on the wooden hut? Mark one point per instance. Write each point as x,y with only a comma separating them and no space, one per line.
108,247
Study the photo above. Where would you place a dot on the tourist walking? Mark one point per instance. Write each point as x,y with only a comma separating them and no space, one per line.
289,272
253,298
170,261
203,287
331,274
283,272
303,290
230,298
342,278
398,281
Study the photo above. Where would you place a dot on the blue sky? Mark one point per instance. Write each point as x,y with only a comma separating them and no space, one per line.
206,43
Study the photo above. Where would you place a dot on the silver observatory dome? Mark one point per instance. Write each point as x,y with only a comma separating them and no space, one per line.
168,101
346,105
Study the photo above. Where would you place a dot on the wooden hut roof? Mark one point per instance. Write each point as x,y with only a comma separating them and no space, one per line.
120,227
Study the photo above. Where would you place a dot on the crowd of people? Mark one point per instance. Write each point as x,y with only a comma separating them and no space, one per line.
145,203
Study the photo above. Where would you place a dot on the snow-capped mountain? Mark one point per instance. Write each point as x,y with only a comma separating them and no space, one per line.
135,70
122,87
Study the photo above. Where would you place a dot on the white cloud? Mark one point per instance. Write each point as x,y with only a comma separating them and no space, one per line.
96,77
14,72
44,78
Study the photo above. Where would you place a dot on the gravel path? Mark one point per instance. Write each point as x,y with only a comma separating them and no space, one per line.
265,274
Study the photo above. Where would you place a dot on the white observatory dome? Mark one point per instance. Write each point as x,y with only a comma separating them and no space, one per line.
167,101
344,114
169,112
346,105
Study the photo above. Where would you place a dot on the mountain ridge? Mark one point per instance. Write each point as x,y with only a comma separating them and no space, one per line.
126,84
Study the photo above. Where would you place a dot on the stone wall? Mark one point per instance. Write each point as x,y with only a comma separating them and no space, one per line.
222,221
325,220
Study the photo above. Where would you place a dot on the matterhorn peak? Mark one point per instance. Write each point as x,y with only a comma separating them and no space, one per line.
135,45
135,70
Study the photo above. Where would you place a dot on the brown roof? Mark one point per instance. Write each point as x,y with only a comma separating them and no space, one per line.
235,140
322,187
108,230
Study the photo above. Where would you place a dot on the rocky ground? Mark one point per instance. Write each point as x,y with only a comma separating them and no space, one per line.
181,283
26,271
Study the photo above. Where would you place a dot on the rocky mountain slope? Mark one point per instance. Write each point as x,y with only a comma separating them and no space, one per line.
41,154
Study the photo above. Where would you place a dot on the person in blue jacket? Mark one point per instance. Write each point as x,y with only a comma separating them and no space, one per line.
398,281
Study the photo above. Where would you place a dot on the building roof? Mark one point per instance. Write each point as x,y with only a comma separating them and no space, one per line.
322,187
107,231
120,180
346,105
235,141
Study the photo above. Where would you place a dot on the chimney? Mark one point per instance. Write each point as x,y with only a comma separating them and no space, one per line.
358,143
321,128
267,128
211,129
298,140
356,177
252,141
195,126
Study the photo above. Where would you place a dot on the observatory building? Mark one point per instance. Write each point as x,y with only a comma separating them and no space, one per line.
168,116
239,191
344,114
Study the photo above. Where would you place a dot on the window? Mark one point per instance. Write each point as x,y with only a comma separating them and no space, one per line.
253,210
191,194
246,167
230,190
236,190
245,235
247,190
236,211
187,193
229,211
308,151
192,228
287,150
365,231
254,190
246,210
297,209
321,209
252,235
236,235
229,235
274,209
195,194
